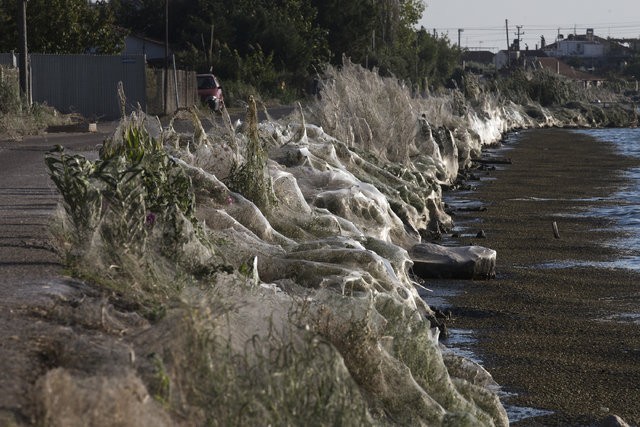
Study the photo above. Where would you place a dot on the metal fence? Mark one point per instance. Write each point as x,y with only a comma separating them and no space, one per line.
87,84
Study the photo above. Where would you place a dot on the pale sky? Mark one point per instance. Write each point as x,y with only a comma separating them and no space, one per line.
483,21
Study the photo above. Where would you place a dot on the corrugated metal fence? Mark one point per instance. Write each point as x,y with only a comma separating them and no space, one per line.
87,84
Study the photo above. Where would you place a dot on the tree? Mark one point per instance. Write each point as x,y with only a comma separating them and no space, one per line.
266,42
146,17
436,57
270,40
351,28
8,23
61,26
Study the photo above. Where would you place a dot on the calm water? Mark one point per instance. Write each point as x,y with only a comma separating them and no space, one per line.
625,210
622,207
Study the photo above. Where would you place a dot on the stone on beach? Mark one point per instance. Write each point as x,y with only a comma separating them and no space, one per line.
435,261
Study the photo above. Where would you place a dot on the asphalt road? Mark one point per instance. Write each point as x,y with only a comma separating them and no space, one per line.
31,273
28,199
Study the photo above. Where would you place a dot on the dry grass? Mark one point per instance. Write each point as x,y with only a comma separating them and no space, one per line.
17,119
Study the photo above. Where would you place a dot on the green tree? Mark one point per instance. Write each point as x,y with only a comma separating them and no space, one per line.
144,17
271,41
267,42
8,23
351,28
61,26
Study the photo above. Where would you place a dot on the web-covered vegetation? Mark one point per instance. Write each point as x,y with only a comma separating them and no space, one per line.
271,261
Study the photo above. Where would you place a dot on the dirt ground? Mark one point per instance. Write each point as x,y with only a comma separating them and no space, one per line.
545,333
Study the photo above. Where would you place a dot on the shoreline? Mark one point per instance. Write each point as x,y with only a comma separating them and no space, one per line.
415,364
540,331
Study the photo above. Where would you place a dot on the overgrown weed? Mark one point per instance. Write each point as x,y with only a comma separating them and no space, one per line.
17,118
130,225
251,178
129,213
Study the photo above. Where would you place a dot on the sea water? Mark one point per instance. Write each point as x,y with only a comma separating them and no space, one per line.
624,206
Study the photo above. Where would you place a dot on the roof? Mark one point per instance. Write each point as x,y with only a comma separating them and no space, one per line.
564,69
537,53
481,56
146,39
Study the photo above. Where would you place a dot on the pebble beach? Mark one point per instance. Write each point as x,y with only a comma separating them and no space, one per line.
556,326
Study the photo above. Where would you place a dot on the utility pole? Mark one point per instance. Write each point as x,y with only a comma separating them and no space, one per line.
518,34
166,56
24,62
506,24
460,31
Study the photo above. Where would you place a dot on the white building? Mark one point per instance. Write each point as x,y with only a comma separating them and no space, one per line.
582,46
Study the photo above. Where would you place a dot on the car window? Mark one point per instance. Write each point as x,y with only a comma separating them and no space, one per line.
206,82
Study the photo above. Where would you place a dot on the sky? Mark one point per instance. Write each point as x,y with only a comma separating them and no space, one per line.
483,21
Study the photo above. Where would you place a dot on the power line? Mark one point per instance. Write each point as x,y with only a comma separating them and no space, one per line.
542,27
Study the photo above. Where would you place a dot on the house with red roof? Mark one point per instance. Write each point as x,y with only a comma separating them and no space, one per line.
557,66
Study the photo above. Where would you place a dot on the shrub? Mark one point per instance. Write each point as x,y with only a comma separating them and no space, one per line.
9,92
251,178
17,119
132,195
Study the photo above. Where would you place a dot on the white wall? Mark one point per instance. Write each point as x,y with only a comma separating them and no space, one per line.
580,48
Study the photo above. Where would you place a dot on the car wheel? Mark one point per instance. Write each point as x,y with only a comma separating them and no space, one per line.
213,103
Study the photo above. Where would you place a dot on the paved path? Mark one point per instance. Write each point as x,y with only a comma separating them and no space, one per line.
28,197
31,274
27,200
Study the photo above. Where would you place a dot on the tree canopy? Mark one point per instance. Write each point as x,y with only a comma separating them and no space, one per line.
61,26
264,43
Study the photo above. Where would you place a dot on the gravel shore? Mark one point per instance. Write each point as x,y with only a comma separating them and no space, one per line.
545,332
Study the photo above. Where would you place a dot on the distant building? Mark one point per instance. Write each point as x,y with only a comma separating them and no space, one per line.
516,57
576,57
483,57
138,45
478,61
579,45
557,66
590,46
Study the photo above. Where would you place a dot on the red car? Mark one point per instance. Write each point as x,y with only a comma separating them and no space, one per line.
210,91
